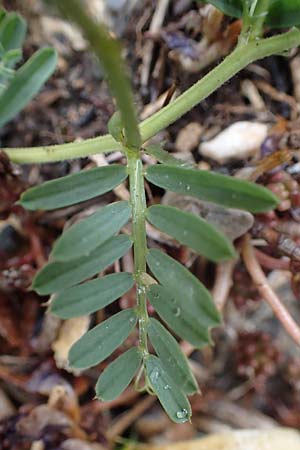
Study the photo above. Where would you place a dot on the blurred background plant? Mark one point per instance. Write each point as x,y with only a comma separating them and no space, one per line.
18,85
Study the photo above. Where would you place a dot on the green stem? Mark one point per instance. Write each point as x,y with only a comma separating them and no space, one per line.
245,32
259,18
138,203
232,64
108,51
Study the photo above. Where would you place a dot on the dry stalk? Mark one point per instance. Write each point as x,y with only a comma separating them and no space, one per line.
266,291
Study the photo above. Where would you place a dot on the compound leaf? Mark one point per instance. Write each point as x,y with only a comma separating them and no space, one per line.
57,276
91,296
81,238
117,376
174,361
213,187
26,83
74,188
170,395
192,231
181,300
98,343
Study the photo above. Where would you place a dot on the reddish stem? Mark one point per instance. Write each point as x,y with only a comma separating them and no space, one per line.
268,262
266,291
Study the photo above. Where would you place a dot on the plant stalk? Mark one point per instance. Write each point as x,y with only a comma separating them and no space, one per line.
232,64
259,18
138,204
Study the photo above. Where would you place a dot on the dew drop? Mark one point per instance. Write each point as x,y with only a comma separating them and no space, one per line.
166,387
154,375
177,312
182,414
188,187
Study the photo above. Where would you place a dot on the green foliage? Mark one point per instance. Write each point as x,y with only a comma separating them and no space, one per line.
92,245
57,276
282,13
157,151
117,376
19,86
170,396
212,187
172,358
91,232
12,31
85,299
98,343
108,51
191,231
190,316
73,189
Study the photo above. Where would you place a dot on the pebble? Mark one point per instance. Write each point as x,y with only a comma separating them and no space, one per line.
232,222
238,141
188,137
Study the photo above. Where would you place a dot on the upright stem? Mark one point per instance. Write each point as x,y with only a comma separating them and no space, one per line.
138,203
259,18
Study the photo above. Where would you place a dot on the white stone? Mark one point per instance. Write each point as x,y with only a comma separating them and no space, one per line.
238,141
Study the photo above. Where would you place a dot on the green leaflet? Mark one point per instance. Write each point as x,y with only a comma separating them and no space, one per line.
192,231
181,300
12,31
282,13
173,400
98,343
91,296
57,276
186,322
157,151
173,360
26,83
83,237
73,189
117,376
212,187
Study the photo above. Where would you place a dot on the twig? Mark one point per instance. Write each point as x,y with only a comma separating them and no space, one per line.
268,262
223,282
156,23
278,96
266,292
127,419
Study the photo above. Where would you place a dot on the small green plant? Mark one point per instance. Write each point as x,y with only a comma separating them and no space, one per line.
18,87
91,245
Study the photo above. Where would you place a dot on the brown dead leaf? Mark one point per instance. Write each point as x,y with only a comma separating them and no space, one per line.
70,332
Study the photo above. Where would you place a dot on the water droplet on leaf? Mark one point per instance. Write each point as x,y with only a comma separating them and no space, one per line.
182,414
